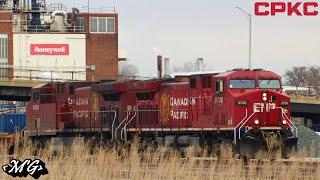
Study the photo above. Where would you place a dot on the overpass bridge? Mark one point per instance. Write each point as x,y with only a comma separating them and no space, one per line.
306,110
16,90
16,82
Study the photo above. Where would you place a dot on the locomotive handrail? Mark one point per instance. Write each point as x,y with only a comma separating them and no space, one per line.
157,110
201,97
114,119
284,115
245,123
71,112
125,126
235,129
125,119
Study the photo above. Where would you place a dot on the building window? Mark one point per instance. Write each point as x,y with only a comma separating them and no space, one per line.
111,25
3,55
93,24
3,48
102,25
80,24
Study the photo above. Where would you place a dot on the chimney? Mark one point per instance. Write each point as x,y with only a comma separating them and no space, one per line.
166,68
159,60
199,64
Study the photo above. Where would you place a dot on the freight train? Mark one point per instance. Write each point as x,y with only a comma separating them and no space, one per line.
241,107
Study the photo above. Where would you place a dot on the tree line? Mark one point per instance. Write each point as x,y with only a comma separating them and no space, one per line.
304,76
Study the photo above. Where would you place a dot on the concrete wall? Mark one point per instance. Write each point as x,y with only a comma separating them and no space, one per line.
71,59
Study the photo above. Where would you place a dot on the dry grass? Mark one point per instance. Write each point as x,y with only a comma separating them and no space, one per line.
80,162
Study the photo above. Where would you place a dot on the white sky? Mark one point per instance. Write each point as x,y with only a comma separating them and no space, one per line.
215,30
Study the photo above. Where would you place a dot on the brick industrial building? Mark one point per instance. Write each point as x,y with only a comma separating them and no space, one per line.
39,40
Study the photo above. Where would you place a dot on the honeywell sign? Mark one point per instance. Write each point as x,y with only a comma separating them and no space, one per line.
49,49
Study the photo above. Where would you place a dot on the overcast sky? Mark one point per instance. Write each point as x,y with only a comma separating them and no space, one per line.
215,30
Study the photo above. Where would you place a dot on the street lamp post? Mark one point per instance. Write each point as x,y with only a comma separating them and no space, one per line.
88,7
248,16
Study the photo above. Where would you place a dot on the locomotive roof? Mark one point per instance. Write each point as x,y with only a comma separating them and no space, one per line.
194,73
249,73
112,86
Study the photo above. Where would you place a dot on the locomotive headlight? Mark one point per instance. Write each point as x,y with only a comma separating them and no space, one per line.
264,97
284,122
256,122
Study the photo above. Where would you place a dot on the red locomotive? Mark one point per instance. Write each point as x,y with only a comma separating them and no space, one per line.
243,107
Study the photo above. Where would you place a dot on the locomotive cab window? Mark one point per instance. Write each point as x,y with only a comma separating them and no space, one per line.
219,86
242,84
269,83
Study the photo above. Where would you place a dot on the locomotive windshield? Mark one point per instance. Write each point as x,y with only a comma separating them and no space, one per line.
269,84
242,84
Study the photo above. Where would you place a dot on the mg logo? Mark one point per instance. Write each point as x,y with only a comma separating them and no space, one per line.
263,107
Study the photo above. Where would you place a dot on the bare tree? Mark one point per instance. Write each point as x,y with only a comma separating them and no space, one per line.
127,71
312,78
301,76
296,77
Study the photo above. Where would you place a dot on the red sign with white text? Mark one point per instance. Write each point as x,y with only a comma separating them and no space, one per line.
49,49
286,8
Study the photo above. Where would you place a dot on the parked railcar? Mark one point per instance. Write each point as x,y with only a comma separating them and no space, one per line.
12,122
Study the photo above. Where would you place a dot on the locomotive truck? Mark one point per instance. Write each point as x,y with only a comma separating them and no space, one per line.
246,108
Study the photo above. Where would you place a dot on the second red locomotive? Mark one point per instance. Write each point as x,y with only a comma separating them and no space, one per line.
243,107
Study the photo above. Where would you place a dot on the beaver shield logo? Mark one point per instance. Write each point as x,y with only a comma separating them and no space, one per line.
164,108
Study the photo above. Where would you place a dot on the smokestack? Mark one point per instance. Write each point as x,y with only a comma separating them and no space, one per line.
199,64
166,67
159,60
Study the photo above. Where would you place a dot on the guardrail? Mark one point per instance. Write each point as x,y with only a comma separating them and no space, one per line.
10,72
48,29
98,9
302,90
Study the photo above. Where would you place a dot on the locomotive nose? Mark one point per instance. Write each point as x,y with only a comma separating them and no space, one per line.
269,106
264,107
